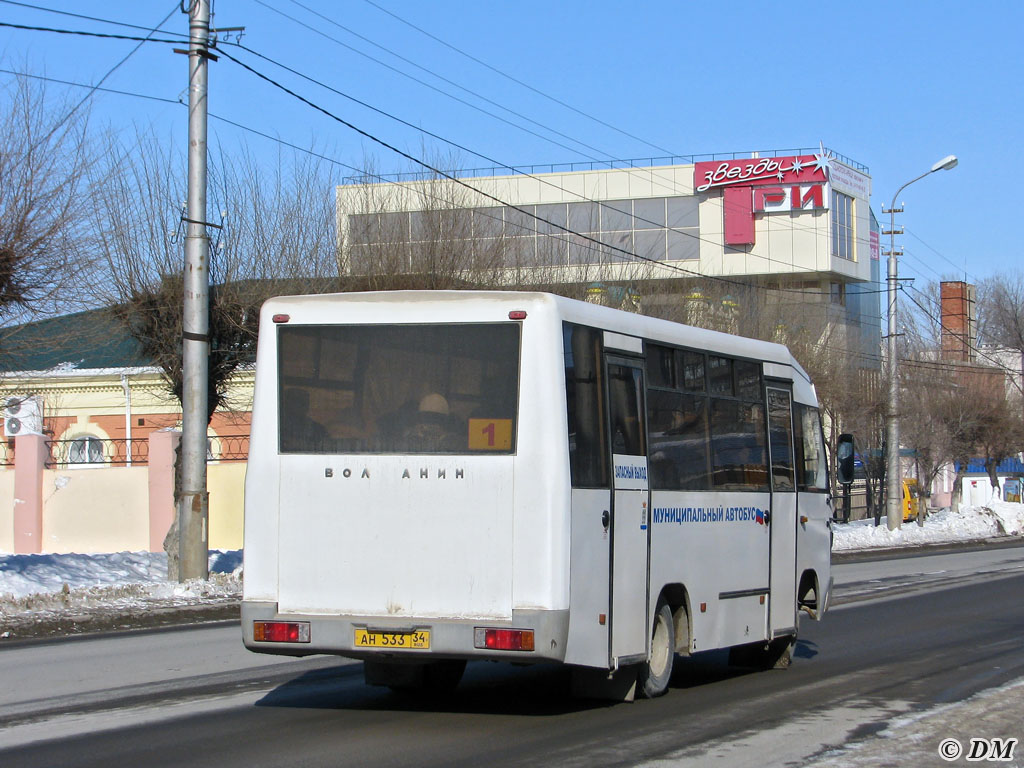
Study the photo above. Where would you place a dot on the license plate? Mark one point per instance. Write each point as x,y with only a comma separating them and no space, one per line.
418,639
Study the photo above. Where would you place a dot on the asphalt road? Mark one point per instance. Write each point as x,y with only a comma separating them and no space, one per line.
907,634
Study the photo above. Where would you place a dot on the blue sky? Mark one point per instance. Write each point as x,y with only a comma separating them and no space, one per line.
893,85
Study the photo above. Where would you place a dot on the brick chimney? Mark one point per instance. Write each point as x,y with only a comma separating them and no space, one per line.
959,323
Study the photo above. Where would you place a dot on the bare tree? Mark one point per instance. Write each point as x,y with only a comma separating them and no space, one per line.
979,421
927,385
1002,435
420,234
954,411
920,429
1001,322
45,157
964,424
428,231
1001,310
276,236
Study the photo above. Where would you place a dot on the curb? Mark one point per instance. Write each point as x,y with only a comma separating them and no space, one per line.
53,627
919,550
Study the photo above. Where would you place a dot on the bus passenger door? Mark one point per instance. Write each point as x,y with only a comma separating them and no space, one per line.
782,603
630,528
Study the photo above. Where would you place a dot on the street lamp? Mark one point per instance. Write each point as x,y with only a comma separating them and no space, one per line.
893,480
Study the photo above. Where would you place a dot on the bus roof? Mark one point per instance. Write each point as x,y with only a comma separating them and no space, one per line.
405,306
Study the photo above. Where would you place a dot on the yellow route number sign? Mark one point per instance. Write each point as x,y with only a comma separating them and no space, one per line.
490,434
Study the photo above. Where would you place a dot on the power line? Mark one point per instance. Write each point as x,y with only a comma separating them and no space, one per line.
320,32
604,246
603,204
515,171
995,363
438,90
83,33
355,169
671,182
513,79
394,69
922,265
482,193
111,71
246,128
424,69
86,85
942,256
918,268
936,303
90,18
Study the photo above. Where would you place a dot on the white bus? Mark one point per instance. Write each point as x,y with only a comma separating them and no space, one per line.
442,476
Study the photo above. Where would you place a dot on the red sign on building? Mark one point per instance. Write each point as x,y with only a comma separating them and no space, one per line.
786,199
762,185
805,169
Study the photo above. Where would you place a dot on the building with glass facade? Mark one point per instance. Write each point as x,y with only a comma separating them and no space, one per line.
689,238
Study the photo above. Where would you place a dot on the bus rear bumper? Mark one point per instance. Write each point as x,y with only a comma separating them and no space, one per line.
449,638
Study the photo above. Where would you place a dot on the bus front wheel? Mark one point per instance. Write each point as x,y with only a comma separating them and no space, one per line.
657,671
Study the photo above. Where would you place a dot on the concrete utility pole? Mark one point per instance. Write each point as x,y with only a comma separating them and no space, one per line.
893,478
193,504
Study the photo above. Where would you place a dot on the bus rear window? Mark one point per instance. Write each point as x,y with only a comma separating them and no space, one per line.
398,389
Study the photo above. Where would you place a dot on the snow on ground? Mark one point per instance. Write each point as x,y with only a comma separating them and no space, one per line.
100,589
997,518
56,585
947,732
24,575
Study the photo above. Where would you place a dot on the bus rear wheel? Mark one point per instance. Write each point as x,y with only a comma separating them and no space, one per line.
657,671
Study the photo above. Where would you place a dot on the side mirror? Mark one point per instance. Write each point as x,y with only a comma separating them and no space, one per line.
844,459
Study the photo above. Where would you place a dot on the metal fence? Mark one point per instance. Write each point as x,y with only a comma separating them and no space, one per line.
228,448
88,450
601,165
124,452
858,503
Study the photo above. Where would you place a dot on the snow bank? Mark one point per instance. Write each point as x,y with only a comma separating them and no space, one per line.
24,575
58,591
34,584
997,518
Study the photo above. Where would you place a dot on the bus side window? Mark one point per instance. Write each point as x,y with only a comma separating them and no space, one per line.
810,450
739,457
780,434
627,428
588,456
678,431
660,366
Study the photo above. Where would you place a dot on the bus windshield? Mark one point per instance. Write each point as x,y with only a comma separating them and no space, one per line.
398,389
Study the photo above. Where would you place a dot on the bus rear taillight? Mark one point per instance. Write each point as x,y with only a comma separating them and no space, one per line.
280,631
503,639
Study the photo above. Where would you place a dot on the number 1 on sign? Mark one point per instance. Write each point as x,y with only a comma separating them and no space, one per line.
490,434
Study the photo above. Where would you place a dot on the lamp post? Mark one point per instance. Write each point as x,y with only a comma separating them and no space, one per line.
893,481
